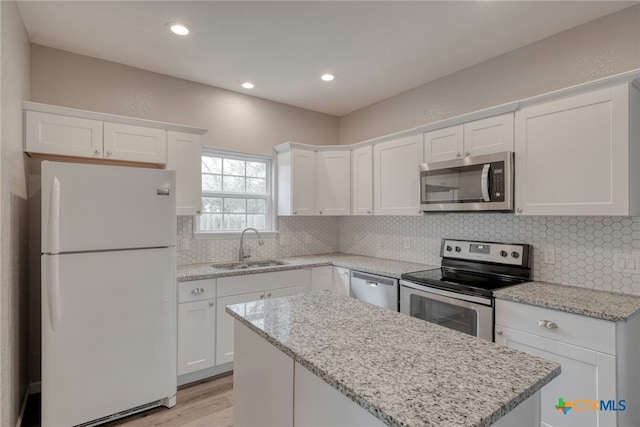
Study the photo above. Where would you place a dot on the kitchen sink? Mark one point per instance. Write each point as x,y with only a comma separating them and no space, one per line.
246,265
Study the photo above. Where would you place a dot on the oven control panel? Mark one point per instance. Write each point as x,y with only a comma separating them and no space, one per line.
499,253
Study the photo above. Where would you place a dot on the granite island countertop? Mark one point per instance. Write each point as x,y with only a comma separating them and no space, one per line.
402,370
604,305
380,266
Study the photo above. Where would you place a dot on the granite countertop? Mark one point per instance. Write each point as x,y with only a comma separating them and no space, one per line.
588,302
381,266
402,370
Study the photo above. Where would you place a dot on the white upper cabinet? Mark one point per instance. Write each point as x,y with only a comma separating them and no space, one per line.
362,181
297,182
579,155
135,143
184,155
57,132
63,136
395,176
485,136
333,182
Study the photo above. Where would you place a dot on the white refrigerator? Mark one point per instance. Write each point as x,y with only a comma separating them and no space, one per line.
108,292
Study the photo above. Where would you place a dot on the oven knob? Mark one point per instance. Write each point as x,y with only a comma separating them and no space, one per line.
458,249
503,253
449,248
515,254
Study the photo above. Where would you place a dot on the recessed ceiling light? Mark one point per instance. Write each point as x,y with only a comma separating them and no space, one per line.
248,85
327,77
179,29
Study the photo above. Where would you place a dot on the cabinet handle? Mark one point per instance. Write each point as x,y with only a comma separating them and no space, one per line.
211,304
467,154
458,155
109,153
498,332
197,291
519,210
547,324
261,296
320,212
198,212
369,212
269,295
295,212
96,153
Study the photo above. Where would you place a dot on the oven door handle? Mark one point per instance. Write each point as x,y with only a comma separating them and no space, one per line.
485,182
426,290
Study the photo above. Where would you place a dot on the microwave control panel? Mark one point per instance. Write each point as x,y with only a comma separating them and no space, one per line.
497,182
499,253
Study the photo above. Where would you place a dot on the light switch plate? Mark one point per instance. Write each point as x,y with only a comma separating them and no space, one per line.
626,262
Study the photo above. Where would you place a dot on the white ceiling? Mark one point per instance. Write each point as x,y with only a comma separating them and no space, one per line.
376,49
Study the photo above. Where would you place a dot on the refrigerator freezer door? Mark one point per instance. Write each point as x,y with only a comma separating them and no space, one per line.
92,207
108,333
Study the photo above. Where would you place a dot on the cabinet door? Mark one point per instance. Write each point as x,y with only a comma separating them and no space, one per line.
224,325
303,182
135,143
586,375
334,182
184,155
196,336
341,280
322,278
283,292
572,155
62,135
488,136
443,144
362,181
395,176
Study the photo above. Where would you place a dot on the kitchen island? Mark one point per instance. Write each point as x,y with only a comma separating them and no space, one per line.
326,359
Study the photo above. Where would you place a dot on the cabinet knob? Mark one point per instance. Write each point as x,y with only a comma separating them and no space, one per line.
198,212
295,212
519,210
109,153
211,304
320,212
467,154
96,153
498,332
458,155
269,295
369,212
197,291
547,324
261,296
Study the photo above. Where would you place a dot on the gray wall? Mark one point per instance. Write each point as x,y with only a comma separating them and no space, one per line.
235,121
14,87
604,47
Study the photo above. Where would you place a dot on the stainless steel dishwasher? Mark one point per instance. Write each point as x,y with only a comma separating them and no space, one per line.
376,290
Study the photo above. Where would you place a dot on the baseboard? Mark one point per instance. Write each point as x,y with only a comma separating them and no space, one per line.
204,373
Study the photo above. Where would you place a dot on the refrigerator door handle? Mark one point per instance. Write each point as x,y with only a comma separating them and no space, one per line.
51,280
54,217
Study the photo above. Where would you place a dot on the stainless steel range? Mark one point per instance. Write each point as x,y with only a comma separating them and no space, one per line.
459,294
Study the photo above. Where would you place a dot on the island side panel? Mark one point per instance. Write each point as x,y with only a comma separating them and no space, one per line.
319,404
526,414
262,382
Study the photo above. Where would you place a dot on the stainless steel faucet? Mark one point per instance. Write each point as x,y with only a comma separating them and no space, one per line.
241,255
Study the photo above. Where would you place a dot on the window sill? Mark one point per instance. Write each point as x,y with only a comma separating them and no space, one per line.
218,235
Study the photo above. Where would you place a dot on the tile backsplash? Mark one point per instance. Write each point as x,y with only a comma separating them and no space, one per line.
583,249
305,235
580,251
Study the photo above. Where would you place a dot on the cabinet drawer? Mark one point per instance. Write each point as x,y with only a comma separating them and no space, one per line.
235,285
196,290
583,331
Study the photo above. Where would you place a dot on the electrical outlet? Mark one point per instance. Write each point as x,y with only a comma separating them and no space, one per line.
285,240
549,255
185,244
626,263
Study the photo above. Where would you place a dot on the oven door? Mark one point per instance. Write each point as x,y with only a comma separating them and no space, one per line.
472,315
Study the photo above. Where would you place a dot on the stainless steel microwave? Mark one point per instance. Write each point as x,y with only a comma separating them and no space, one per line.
477,183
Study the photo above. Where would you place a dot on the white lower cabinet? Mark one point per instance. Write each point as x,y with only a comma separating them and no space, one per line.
598,360
322,278
342,280
224,325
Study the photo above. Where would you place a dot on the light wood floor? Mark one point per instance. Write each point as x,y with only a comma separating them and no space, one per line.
205,403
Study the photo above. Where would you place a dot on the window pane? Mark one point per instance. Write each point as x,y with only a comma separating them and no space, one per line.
211,222
235,205
257,169
234,167
212,204
233,184
235,221
211,164
256,221
256,206
211,183
256,185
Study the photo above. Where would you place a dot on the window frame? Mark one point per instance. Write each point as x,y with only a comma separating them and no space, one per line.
270,208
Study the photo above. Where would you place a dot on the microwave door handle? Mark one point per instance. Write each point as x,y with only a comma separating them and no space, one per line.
485,182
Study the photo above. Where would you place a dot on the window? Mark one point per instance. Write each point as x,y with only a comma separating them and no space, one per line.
236,192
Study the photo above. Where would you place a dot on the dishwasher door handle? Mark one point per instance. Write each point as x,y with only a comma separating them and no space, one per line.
372,284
